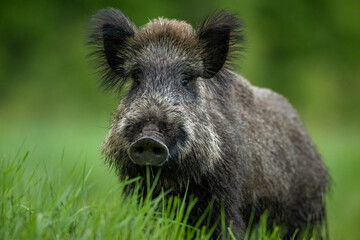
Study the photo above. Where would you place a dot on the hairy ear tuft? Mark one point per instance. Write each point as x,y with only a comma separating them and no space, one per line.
109,34
220,37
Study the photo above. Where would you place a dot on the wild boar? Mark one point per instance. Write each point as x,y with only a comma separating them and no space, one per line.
206,127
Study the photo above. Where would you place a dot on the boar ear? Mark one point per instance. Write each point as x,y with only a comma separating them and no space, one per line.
220,37
109,35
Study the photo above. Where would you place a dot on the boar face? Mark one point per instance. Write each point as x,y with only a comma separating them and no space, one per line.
170,70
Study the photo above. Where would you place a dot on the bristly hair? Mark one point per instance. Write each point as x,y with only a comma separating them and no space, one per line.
109,30
222,36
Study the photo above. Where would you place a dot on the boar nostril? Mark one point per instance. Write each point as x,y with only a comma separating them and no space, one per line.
148,150
139,150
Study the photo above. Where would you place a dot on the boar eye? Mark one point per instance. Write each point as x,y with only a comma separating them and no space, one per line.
185,80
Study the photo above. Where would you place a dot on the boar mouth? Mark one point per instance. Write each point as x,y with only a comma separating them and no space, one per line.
148,149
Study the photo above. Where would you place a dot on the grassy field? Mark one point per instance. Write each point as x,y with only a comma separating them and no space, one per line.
54,185
42,202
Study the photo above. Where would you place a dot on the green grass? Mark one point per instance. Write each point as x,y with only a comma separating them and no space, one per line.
41,202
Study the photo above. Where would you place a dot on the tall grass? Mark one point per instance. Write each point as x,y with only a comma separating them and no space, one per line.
45,202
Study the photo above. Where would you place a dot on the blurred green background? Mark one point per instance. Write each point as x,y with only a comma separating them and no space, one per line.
308,50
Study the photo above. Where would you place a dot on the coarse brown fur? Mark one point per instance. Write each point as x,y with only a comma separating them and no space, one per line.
228,140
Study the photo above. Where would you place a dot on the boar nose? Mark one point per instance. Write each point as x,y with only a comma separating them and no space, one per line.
148,151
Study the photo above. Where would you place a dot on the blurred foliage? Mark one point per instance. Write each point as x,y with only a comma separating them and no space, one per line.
307,50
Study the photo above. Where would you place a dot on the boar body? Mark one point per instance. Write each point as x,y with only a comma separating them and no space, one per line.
205,126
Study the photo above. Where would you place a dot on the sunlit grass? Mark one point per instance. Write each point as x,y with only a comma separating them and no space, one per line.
42,204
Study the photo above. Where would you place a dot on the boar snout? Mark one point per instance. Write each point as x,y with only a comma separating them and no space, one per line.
148,150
